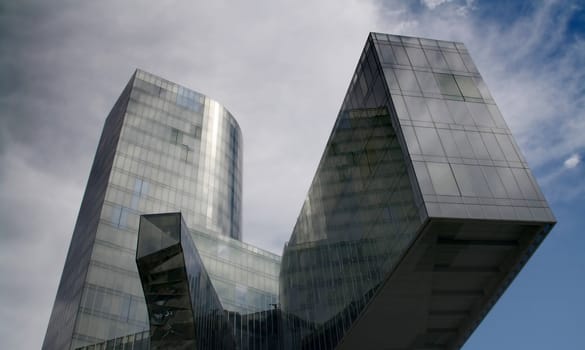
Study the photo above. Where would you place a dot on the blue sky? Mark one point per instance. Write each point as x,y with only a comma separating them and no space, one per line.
282,68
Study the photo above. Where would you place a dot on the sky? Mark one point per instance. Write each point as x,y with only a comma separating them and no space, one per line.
282,68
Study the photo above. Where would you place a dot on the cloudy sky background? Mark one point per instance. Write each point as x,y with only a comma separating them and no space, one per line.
282,68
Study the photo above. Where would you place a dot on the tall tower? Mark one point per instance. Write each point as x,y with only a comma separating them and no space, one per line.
163,148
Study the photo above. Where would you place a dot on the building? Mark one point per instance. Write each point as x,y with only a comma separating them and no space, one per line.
163,148
421,213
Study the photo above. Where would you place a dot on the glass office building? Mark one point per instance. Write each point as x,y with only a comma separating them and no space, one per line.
163,148
420,214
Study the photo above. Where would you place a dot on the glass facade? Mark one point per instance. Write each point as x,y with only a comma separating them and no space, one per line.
245,277
183,309
421,213
184,305
164,148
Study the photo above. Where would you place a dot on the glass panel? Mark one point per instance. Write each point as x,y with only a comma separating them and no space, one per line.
459,112
400,55
483,90
427,82
410,40
417,57
417,108
387,54
424,181
471,180
407,80
463,145
497,116
429,141
507,147
480,114
492,146
400,107
391,79
493,179
439,111
467,86
454,61
477,144
448,142
428,42
509,183
447,84
525,184
469,63
436,59
411,142
442,179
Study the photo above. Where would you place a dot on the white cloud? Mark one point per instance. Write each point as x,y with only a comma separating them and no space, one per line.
572,161
431,4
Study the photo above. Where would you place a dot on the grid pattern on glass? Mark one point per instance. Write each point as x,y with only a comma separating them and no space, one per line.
184,310
170,149
359,216
245,277
184,304
460,146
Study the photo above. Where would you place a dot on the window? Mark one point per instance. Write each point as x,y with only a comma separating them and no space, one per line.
427,82
471,180
407,80
454,61
459,112
439,111
436,59
448,142
492,146
400,55
429,141
495,184
442,179
417,108
400,107
417,57
391,79
507,147
386,53
477,144
447,84
411,142
176,136
196,131
467,86
481,115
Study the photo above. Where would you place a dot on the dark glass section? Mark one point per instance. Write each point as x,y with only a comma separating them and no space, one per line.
183,308
360,216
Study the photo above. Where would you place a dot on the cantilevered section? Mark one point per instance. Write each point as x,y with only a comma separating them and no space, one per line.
422,210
